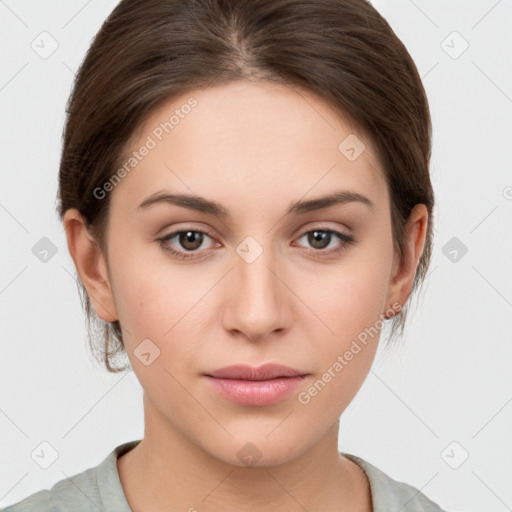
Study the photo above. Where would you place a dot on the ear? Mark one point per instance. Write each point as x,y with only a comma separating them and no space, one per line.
403,273
90,264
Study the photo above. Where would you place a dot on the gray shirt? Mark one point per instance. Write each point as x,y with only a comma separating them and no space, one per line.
99,489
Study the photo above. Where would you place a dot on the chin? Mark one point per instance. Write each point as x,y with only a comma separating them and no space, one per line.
257,451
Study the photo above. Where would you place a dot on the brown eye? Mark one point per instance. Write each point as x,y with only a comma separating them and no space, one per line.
321,239
190,240
187,241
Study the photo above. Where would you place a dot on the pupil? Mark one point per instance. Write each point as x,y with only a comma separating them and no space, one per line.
318,238
190,237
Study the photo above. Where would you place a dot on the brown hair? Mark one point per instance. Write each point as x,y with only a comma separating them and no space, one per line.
148,51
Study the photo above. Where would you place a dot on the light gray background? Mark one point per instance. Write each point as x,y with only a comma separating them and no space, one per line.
451,381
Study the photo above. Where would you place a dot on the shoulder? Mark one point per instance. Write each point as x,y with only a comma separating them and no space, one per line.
94,489
40,501
79,490
389,494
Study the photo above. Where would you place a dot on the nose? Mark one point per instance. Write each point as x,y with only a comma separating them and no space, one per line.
257,303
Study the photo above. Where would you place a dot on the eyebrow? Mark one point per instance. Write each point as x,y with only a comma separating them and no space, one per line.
300,207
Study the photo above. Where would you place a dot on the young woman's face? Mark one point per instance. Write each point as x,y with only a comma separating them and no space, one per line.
265,283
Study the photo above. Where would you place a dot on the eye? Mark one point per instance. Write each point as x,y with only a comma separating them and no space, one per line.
321,238
189,239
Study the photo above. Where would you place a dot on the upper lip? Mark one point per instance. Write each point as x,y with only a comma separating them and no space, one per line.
265,372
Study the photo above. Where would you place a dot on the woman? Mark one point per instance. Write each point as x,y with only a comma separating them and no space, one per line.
246,196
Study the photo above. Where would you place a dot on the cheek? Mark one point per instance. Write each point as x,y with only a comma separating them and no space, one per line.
170,305
346,341
348,298
153,296
159,303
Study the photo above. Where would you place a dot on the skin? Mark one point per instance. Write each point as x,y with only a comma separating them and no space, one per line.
254,147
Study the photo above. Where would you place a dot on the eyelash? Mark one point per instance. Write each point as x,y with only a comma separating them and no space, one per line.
346,241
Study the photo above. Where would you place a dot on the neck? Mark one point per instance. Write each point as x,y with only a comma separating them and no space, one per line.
166,471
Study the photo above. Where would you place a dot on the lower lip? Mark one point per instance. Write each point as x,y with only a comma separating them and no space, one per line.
256,392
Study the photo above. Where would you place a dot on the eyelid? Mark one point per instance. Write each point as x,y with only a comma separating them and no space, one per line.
166,237
323,226
345,240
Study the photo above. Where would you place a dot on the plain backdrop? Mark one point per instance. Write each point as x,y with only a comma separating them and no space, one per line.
435,412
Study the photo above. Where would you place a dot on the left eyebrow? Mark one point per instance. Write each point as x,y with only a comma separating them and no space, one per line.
204,205
341,197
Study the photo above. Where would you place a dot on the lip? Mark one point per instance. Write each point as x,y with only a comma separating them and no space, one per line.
263,372
255,386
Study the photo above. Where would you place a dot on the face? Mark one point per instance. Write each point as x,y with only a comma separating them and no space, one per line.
196,291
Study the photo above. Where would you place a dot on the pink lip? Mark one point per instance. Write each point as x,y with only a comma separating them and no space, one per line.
265,385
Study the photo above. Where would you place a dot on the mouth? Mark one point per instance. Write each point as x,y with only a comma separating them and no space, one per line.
261,386
265,372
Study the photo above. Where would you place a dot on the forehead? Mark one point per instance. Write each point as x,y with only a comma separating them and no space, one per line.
249,140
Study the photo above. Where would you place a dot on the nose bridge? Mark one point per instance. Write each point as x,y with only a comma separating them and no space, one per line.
256,307
253,266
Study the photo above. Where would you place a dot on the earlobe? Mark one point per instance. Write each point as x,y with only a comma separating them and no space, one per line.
404,271
90,264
